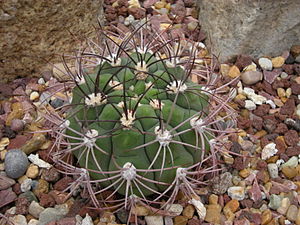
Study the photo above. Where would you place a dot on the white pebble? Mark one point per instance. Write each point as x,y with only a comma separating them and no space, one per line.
154,220
175,209
265,63
284,75
201,210
41,81
271,103
268,151
87,220
33,222
34,95
273,170
128,20
292,162
39,162
236,192
250,105
18,219
26,185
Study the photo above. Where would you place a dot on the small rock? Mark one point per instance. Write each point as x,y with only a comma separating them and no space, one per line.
6,182
221,183
42,187
189,211
270,76
35,209
250,105
39,162
251,77
265,63
243,61
16,163
56,103
213,214
32,171
236,192
289,172
175,209
285,204
34,95
201,210
291,137
17,125
87,220
51,175
63,183
33,222
18,219
278,61
295,50
224,69
34,143
292,162
268,151
192,25
275,202
50,214
180,220
29,195
6,197
266,217
234,72
168,220
292,213
273,170
26,185
154,220
122,216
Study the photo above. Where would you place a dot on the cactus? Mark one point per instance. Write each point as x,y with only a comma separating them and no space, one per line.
136,123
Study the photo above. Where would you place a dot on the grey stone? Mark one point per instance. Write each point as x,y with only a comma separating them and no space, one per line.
16,163
57,103
154,220
35,209
292,162
221,183
275,202
251,77
33,32
29,195
50,214
256,27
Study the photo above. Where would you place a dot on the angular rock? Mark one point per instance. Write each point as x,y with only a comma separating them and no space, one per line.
6,197
6,182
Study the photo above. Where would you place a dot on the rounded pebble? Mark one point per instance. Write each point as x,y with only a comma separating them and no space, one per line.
16,163
236,192
275,202
34,95
273,170
17,125
32,171
265,63
251,77
35,209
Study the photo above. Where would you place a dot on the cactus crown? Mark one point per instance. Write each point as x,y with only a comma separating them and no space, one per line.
136,121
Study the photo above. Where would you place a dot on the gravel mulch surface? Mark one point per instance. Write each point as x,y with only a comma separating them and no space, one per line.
260,178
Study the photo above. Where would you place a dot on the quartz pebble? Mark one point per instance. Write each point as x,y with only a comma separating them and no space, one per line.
34,95
87,220
26,185
16,163
201,210
250,105
265,63
273,170
39,162
268,151
236,192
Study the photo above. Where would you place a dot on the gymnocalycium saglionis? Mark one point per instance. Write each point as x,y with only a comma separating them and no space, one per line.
136,124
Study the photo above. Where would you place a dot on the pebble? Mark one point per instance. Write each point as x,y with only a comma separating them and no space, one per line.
292,213
26,185
18,219
32,171
168,220
234,72
29,195
268,151
35,209
230,208
140,210
175,209
221,183
128,20
6,182
39,162
281,92
251,77
189,211
16,163
201,210
154,220
273,170
289,172
277,61
266,217
192,25
34,95
42,187
236,192
275,202
292,162
17,125
34,143
50,214
180,220
56,103
250,105
33,222
265,63
213,214
284,75
87,220
224,69
285,204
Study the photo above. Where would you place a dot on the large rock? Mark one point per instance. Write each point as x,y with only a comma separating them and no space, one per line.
253,27
34,31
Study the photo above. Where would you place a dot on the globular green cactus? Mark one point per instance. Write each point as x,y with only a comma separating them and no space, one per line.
136,121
